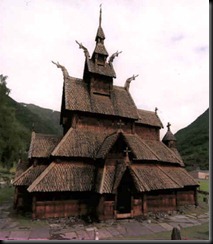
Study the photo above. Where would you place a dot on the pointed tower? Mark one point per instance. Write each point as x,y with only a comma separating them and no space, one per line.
169,139
98,73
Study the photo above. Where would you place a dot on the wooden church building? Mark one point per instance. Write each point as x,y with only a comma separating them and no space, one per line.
110,161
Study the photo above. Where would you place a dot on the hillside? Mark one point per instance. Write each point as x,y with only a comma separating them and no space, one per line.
17,128
193,143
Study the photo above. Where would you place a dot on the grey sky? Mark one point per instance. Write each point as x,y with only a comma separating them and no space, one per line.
166,42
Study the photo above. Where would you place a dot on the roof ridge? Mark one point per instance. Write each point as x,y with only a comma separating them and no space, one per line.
41,176
22,174
62,140
139,179
113,133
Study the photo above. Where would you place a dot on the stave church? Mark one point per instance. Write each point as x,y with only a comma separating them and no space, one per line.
110,162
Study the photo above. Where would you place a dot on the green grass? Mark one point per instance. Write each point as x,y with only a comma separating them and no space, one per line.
204,185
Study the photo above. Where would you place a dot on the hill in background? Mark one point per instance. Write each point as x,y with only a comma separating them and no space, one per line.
193,143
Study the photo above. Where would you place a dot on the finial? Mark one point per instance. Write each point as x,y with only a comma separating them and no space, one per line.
127,84
64,70
156,109
113,56
100,15
168,126
86,53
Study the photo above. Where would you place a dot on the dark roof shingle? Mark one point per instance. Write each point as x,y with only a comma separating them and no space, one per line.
64,176
41,145
78,98
28,176
79,143
149,118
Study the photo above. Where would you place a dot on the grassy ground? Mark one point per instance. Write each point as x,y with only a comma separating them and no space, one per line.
204,185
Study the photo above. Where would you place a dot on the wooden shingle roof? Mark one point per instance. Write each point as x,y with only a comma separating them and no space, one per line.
180,175
90,144
79,143
28,176
64,176
41,145
109,178
163,152
149,118
78,98
21,167
106,70
151,177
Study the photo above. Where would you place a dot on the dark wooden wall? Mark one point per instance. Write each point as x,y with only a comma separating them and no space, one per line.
147,132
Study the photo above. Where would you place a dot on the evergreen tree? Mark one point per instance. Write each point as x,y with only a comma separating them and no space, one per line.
10,132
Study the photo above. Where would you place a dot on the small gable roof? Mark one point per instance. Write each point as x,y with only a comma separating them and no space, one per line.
148,118
41,145
78,98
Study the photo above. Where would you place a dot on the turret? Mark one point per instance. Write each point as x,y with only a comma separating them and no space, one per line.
169,139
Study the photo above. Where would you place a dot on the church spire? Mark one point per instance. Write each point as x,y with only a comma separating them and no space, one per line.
100,53
100,16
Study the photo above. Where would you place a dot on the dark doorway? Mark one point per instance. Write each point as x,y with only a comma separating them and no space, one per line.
124,194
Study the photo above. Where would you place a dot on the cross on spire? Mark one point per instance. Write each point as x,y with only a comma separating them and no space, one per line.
168,126
156,109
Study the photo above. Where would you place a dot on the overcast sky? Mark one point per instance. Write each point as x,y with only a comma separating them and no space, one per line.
166,42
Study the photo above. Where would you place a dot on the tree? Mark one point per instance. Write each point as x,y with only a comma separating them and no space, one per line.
10,132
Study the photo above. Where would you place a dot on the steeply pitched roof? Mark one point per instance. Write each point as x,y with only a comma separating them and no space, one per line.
100,48
146,177
90,144
21,167
106,70
78,98
141,149
79,143
179,175
42,145
149,118
151,177
28,176
109,178
64,176
169,136
163,152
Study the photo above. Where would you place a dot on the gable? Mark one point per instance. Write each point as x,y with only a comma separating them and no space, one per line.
140,149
